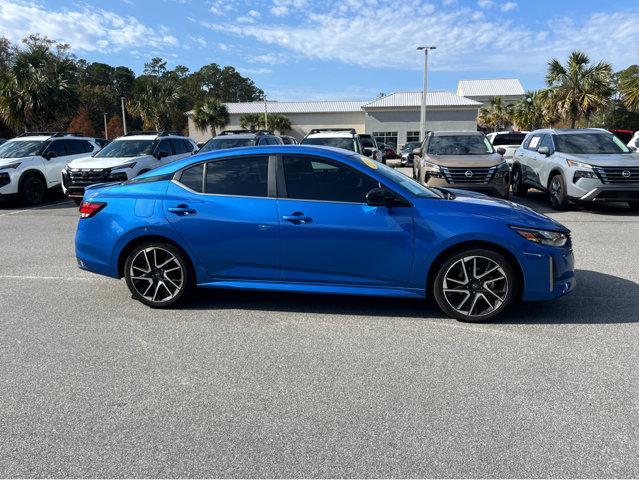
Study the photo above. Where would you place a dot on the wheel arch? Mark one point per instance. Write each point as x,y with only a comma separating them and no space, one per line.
554,171
135,242
29,172
468,245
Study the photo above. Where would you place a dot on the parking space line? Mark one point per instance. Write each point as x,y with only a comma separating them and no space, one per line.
44,277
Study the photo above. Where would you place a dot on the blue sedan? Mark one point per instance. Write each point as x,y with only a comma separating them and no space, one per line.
318,220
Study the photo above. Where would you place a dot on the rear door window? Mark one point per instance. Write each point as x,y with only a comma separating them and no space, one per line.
164,146
238,176
59,147
193,178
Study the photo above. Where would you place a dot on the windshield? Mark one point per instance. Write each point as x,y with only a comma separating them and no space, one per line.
22,148
127,148
397,178
508,139
588,143
347,143
221,143
459,145
410,146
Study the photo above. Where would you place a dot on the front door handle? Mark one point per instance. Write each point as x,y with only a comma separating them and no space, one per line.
297,218
182,209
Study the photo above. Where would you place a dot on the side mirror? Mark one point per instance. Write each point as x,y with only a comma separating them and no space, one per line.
417,151
501,151
161,155
380,197
50,154
544,151
369,151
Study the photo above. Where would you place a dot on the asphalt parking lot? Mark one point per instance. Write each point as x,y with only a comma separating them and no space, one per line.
278,385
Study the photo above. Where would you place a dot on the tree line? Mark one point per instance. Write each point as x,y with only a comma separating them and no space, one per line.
577,94
46,88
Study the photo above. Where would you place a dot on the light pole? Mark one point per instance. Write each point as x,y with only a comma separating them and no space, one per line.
422,120
265,114
106,132
123,115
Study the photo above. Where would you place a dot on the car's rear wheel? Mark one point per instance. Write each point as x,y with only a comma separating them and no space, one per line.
475,286
557,192
157,275
520,189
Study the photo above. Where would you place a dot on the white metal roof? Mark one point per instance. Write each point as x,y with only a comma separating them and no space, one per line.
500,87
295,107
414,99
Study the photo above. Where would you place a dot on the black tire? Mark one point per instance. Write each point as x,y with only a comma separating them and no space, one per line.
32,189
520,189
169,286
557,192
634,206
471,301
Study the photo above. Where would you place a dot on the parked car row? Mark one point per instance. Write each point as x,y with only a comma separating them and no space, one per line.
574,165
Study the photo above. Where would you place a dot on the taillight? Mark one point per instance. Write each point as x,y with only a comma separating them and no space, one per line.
89,209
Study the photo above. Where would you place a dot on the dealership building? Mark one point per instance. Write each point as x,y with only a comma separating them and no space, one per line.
393,119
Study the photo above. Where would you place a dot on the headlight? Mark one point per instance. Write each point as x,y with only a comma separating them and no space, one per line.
583,174
574,163
11,165
431,167
543,237
503,170
123,167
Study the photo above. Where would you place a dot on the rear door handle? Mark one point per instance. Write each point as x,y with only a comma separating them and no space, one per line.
297,218
182,210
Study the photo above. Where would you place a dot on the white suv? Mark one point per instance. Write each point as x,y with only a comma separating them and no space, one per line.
125,158
346,138
30,164
509,141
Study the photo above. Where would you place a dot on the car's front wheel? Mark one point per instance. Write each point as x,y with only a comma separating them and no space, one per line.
32,189
157,274
520,189
475,286
557,192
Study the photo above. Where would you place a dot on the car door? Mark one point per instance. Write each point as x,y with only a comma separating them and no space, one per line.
164,152
179,148
328,232
55,156
530,163
228,216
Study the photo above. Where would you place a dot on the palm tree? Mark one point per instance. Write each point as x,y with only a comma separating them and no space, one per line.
496,115
528,112
629,89
577,89
37,88
253,121
212,114
156,101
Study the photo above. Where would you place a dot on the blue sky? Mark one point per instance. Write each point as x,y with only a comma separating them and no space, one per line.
338,49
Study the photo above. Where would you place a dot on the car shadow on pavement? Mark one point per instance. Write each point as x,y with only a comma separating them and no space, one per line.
598,299
52,201
538,201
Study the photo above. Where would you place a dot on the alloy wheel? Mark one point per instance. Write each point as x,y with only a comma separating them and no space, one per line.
556,191
156,275
475,286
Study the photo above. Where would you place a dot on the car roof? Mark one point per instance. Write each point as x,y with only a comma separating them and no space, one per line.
51,137
331,135
150,137
239,135
460,132
570,131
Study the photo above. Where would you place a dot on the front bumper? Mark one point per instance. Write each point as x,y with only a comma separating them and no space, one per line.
612,193
498,186
8,185
75,181
548,274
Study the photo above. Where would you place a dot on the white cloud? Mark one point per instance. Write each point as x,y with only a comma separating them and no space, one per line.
84,28
220,7
485,3
508,6
281,8
279,11
466,41
223,47
253,13
270,58
255,71
250,17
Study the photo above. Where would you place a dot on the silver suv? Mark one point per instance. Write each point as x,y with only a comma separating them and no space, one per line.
587,165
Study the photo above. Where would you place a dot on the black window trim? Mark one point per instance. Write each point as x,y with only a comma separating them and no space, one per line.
271,183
